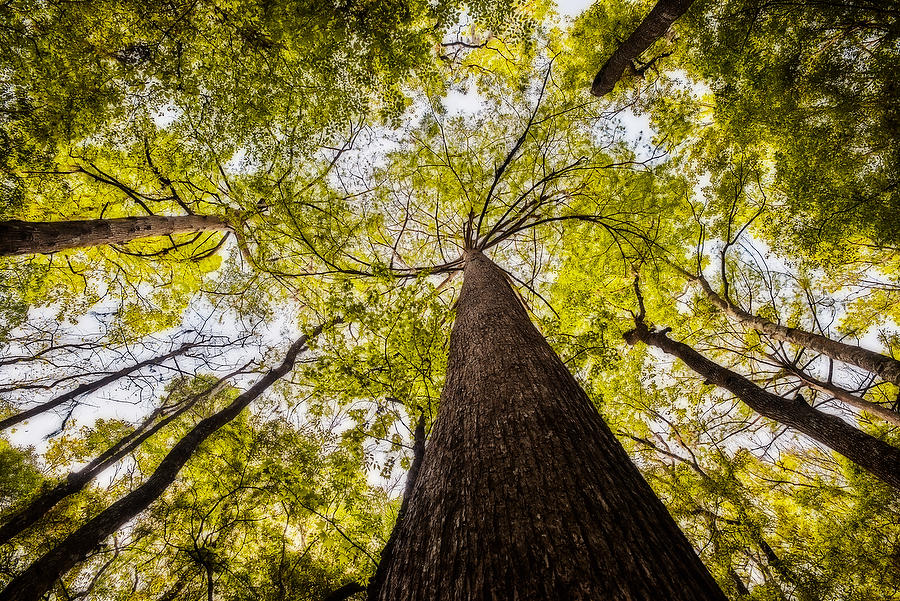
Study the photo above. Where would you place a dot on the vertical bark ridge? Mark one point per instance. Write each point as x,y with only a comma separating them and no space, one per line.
26,237
524,493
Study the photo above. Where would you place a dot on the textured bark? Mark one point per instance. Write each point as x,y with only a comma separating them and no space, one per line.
76,481
40,577
875,456
887,368
90,387
654,26
524,493
25,237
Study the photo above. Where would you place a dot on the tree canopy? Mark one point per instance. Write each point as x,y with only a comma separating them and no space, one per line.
235,235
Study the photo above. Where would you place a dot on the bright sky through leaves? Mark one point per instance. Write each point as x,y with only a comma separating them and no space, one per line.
206,203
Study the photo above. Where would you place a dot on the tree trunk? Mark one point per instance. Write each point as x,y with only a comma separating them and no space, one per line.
887,368
25,237
41,576
739,585
875,456
76,481
654,26
524,493
845,396
91,387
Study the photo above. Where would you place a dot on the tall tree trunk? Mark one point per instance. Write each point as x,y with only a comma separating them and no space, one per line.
77,480
654,26
877,457
739,585
26,237
40,577
883,366
524,493
91,387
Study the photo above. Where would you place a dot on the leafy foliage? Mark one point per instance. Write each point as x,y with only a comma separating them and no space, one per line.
354,149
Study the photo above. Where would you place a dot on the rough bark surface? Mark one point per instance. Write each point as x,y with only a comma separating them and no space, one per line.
875,456
41,576
654,26
887,368
25,237
524,493
90,387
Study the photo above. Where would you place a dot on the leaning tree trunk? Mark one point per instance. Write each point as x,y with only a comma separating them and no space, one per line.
524,493
654,26
845,395
43,574
875,456
77,480
26,237
883,366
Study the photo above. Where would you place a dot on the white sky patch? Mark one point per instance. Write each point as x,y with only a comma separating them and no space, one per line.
636,127
469,102
238,163
636,130
573,8
698,88
703,181
167,115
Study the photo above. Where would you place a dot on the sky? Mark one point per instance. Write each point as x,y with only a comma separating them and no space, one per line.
573,8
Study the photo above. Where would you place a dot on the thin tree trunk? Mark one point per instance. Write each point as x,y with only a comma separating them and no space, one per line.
714,540
846,396
76,481
887,368
875,456
91,387
35,581
26,237
739,585
654,26
524,493
210,583
411,477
